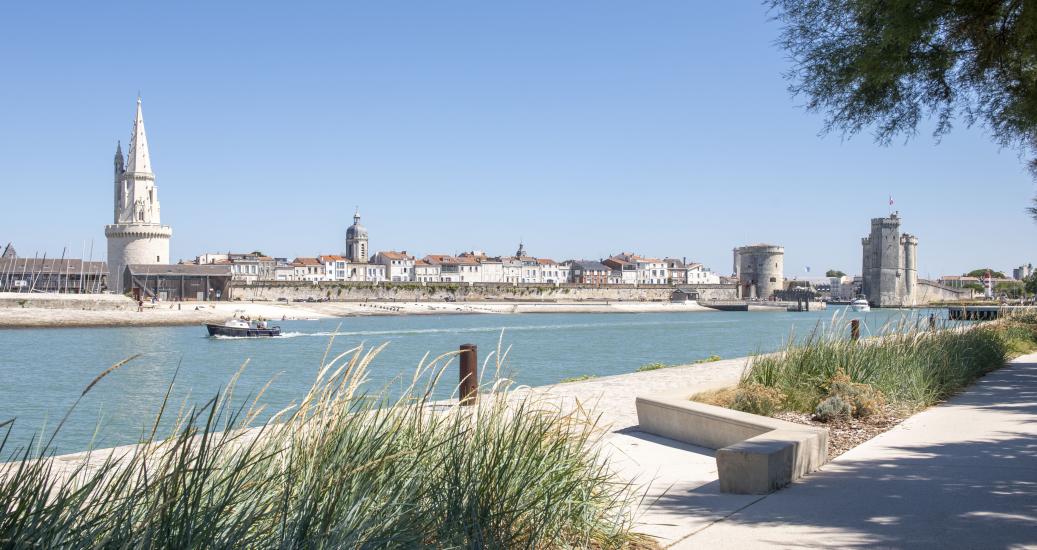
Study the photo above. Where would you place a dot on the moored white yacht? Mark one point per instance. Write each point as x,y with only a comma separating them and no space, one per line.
860,304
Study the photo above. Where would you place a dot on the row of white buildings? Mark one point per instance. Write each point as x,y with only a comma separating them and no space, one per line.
469,267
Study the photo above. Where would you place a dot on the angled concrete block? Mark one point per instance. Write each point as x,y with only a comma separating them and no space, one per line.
755,454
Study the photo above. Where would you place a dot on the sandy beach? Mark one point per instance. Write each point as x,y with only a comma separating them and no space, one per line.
32,315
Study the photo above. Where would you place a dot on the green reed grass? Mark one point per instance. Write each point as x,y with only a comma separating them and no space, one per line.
339,469
912,367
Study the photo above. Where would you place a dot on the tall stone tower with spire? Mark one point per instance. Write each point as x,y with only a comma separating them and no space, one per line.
356,240
136,234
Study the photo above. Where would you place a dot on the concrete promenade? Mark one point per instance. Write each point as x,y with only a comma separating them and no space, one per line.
959,475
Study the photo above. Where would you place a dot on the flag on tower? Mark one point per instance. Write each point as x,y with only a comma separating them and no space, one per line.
891,200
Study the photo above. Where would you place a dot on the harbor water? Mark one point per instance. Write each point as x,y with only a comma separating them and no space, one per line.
44,371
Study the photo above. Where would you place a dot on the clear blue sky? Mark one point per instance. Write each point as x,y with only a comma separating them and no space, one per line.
584,128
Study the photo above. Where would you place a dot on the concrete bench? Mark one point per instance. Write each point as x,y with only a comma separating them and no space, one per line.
755,454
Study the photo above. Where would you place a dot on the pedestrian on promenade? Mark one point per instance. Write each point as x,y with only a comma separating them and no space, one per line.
140,305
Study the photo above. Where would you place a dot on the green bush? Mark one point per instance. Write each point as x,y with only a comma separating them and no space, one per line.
832,408
652,366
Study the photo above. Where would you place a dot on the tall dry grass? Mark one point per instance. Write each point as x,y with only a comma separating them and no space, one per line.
911,366
339,469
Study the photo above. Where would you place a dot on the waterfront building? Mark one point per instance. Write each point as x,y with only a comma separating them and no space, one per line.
889,264
136,234
759,270
251,267
492,269
646,271
511,268
64,275
842,288
179,282
699,274
551,272
399,266
284,272
336,268
1018,273
426,272
308,269
356,240
676,271
627,269
367,272
618,277
588,272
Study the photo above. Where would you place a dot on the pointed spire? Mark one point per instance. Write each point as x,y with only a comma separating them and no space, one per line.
120,161
356,216
139,160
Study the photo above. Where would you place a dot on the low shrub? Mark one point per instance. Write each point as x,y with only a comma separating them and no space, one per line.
757,399
833,408
652,366
579,378
720,398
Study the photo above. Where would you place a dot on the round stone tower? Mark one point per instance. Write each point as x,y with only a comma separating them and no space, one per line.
760,270
136,235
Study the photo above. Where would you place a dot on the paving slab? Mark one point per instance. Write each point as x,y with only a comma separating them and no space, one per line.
959,475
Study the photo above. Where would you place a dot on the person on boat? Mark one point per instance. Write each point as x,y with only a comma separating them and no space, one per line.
261,324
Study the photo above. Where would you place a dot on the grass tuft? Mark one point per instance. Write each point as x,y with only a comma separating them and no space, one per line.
339,469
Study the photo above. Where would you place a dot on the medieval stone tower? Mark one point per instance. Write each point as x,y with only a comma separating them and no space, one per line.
889,266
136,235
356,241
760,270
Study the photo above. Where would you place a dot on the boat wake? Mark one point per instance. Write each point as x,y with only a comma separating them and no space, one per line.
281,336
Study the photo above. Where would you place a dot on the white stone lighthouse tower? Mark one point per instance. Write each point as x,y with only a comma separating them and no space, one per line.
136,235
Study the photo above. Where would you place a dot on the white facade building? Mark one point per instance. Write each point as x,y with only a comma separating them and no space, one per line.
336,268
426,272
699,275
136,234
399,266
650,271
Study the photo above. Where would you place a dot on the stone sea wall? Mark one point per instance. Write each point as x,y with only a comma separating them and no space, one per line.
438,292
89,302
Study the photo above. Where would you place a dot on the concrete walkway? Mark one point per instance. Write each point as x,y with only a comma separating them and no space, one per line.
959,475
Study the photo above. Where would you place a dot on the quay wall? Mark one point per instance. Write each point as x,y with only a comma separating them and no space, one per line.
490,292
89,302
929,292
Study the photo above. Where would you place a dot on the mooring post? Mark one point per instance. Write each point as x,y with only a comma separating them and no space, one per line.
469,388
932,321
855,329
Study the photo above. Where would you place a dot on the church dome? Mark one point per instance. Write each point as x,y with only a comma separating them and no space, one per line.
356,231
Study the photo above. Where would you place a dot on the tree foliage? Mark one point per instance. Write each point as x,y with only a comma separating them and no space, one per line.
834,273
981,273
1030,284
890,64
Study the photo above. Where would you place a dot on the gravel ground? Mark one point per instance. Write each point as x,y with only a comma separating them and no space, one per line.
844,435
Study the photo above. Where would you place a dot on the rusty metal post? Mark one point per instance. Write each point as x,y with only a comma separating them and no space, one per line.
932,321
469,388
855,329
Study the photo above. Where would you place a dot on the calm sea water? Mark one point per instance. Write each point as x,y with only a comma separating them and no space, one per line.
42,372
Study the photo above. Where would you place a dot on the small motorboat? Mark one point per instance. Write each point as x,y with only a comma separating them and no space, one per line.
239,328
860,304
